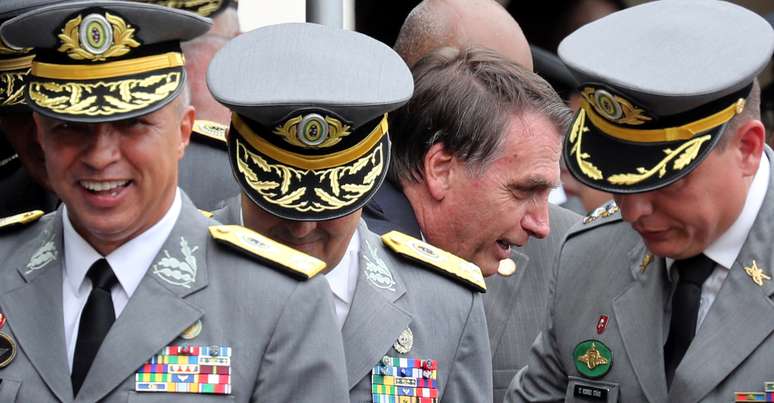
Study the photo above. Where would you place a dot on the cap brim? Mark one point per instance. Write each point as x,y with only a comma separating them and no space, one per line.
113,99
612,165
305,194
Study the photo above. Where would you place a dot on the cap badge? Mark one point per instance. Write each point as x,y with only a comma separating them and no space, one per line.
614,108
97,37
313,131
592,358
405,341
756,274
177,272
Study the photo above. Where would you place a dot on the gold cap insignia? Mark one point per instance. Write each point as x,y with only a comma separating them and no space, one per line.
97,37
313,131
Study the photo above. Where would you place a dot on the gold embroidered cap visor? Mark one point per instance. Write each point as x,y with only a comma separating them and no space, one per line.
617,146
282,174
205,8
101,61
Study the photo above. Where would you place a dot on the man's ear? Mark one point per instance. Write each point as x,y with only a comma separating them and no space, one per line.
186,126
438,170
749,141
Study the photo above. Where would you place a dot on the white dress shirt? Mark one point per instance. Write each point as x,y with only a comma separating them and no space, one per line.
343,279
129,263
726,248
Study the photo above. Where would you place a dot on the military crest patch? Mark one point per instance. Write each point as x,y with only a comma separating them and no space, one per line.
42,257
178,272
376,270
606,210
592,358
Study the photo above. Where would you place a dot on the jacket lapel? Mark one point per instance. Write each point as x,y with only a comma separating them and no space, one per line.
34,311
741,317
157,312
375,320
499,289
637,312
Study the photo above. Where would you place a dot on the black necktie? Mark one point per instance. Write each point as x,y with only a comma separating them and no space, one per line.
97,317
685,309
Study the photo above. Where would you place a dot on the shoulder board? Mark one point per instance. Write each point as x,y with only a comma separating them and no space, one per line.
602,215
208,214
20,220
211,132
428,255
272,253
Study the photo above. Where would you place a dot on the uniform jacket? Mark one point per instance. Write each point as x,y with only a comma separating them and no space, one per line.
446,319
603,270
515,306
285,345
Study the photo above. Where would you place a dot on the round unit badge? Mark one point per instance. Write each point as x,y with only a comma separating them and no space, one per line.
592,358
313,130
192,331
96,34
7,350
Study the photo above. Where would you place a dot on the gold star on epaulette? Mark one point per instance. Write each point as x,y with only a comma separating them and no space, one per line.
756,274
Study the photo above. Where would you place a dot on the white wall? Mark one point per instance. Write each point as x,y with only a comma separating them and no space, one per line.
258,13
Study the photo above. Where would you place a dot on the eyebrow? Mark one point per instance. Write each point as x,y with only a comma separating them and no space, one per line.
534,184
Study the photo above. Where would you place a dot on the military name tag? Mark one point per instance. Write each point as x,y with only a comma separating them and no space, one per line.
187,369
405,380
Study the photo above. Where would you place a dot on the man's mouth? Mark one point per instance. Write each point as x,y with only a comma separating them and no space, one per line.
112,187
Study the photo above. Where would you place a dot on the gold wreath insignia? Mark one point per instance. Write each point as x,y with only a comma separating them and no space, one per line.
289,132
123,40
630,114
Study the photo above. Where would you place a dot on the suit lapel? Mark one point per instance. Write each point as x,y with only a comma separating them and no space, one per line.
34,311
741,317
375,320
157,312
638,312
499,289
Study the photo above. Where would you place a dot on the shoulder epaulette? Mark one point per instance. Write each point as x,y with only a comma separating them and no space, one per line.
206,213
428,255
212,132
20,220
607,210
275,254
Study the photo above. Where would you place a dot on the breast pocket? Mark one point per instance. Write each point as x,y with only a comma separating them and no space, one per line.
8,390
135,397
586,390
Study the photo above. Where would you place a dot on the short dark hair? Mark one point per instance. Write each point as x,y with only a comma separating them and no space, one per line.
464,100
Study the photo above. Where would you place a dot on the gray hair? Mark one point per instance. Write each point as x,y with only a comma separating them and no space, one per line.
463,99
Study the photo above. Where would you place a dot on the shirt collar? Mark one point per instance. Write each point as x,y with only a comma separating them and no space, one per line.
139,252
341,278
726,248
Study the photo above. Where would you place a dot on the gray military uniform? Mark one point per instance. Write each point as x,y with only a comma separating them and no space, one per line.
265,316
732,351
446,319
205,174
515,306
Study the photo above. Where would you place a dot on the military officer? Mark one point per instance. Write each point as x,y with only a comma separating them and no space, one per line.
127,292
667,294
23,176
309,145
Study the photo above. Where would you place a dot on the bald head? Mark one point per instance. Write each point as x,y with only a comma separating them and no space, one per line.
462,24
